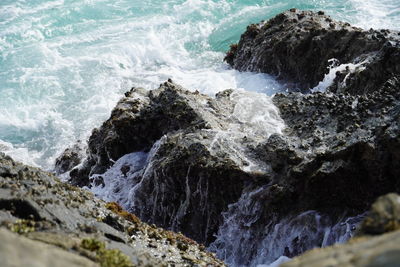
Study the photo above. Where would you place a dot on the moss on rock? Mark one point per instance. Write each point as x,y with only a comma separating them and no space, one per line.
106,257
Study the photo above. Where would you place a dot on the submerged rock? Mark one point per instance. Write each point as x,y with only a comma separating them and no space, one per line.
300,47
44,222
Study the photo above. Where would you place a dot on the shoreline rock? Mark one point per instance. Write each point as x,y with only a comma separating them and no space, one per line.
204,158
299,47
44,222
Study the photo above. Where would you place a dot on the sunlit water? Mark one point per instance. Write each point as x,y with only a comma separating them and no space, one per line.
65,63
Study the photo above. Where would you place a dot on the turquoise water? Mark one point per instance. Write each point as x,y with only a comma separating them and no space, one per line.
65,63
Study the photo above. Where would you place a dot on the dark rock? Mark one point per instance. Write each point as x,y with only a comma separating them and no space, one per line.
203,146
340,152
337,154
298,46
138,120
70,158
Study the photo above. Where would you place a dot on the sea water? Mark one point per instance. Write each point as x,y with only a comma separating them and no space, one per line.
65,63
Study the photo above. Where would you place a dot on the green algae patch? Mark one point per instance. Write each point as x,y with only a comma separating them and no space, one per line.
22,226
106,257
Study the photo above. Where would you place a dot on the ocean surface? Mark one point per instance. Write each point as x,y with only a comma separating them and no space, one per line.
65,63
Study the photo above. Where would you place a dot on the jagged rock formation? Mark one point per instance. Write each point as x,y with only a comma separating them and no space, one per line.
299,46
199,165
45,222
340,148
339,151
382,250
70,158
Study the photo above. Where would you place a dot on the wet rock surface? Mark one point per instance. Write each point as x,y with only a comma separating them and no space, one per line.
70,158
45,222
200,158
299,46
338,154
339,151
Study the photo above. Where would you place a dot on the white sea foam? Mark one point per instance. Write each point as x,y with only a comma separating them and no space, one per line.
64,65
377,14
334,68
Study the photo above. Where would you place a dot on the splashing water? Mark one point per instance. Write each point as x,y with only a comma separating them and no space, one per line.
250,238
261,118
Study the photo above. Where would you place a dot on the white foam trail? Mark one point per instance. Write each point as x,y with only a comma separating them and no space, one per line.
334,68
119,180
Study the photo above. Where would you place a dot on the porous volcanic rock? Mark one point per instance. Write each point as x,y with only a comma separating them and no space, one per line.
339,151
300,46
44,222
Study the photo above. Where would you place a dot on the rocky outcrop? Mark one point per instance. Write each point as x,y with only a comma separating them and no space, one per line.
299,47
338,153
339,150
382,250
200,155
45,222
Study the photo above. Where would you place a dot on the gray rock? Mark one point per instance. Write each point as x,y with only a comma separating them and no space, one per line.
16,250
380,251
70,158
60,217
